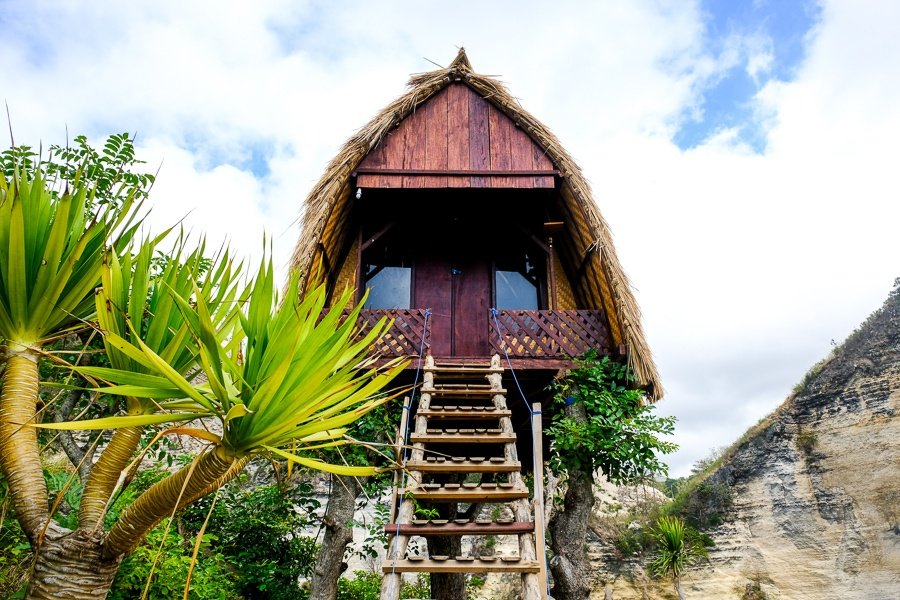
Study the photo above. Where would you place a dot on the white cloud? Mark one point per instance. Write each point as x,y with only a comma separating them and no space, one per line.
746,265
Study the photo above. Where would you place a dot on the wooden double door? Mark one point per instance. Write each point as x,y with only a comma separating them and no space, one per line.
453,277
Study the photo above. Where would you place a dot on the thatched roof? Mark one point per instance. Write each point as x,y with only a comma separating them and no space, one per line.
603,283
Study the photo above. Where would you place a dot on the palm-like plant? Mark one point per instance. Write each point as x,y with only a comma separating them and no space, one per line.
285,381
135,302
676,551
51,255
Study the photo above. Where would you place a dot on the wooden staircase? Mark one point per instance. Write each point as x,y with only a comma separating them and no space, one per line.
462,412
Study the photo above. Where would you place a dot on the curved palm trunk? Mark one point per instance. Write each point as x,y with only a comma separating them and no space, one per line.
158,502
70,565
19,451
105,475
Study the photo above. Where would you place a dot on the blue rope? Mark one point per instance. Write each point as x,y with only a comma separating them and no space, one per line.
511,370
407,407
531,412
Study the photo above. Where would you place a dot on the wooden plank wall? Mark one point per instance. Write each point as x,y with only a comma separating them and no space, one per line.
456,131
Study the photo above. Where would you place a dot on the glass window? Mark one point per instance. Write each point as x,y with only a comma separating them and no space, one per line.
515,291
389,287
387,272
516,283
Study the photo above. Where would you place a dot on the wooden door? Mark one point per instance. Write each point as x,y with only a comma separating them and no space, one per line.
453,279
471,301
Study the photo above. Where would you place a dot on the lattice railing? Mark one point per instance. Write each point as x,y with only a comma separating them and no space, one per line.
404,338
549,333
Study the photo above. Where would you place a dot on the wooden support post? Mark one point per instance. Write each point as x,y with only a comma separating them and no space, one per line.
399,452
550,257
539,541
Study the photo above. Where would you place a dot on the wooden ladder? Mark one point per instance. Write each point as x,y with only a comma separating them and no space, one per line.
457,409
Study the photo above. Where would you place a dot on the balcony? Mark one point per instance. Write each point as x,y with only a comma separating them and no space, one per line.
534,337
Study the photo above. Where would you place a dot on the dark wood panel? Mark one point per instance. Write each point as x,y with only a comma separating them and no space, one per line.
414,146
374,160
541,161
521,156
500,148
393,154
436,139
458,133
432,290
472,301
479,138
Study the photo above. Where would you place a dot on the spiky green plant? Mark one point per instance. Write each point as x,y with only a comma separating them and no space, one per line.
51,255
136,302
676,551
286,381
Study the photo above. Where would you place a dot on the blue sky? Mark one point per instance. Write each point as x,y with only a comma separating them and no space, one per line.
742,151
758,41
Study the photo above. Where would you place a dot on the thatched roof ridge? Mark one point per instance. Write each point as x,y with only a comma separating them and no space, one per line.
613,291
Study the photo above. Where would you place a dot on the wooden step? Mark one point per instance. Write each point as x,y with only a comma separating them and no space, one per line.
474,412
444,391
457,565
465,466
463,438
489,528
466,494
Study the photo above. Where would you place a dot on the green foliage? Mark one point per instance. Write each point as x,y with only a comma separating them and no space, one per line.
678,547
15,552
704,504
113,171
366,585
632,541
212,578
620,433
257,532
806,442
376,539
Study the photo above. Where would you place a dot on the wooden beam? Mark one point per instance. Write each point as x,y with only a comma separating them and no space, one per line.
458,566
461,529
459,172
376,236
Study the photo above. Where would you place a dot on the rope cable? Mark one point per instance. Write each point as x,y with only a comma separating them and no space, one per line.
540,509
407,406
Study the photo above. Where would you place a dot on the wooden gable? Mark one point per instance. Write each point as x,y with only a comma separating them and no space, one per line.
456,139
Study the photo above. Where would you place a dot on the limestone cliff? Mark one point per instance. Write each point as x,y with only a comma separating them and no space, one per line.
816,489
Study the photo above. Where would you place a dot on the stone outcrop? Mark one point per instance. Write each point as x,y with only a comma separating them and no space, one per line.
816,490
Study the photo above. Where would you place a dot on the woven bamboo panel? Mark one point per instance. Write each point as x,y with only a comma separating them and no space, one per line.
565,297
404,338
347,275
550,333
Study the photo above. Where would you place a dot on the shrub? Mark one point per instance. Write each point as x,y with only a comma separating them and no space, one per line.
212,578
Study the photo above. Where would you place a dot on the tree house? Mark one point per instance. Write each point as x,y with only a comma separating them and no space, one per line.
473,229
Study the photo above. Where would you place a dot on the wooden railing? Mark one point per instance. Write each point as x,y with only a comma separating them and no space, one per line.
404,338
522,333
548,333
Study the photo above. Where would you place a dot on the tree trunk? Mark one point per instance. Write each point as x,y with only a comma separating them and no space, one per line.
70,565
568,530
164,497
19,451
447,586
338,533
678,589
105,475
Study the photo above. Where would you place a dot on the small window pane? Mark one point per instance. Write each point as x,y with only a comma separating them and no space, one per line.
515,291
389,288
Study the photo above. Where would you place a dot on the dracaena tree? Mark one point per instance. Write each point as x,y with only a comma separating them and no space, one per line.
189,349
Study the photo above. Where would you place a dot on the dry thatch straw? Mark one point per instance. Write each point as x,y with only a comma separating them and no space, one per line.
588,242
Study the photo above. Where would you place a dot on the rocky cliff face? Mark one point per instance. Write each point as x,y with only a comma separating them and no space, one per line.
816,489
